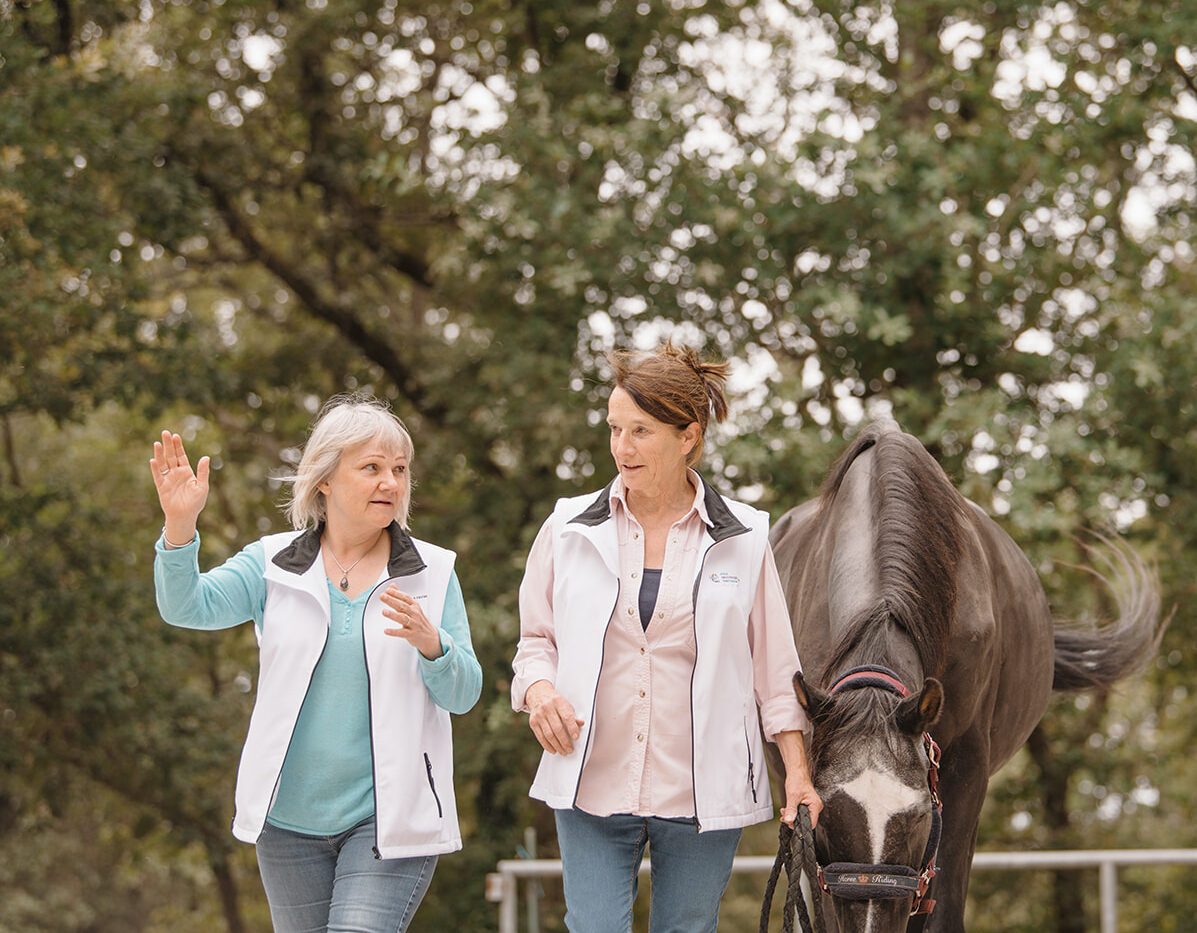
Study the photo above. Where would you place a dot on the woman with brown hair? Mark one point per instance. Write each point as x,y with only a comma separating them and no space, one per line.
653,628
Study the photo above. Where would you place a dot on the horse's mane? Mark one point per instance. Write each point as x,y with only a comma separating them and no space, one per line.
918,517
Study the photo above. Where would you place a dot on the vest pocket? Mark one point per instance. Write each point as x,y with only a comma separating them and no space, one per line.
432,786
751,768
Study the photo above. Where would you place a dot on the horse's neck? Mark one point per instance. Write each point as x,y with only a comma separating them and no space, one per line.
853,581
854,585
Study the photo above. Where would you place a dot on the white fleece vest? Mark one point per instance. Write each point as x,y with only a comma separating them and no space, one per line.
731,784
415,808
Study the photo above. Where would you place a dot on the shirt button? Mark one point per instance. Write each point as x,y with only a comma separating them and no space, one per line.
640,738
642,693
630,610
635,574
660,615
642,651
635,536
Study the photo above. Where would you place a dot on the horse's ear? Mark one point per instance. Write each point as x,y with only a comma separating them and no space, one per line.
917,713
816,702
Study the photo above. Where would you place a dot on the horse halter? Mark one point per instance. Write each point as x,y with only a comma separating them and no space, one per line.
861,882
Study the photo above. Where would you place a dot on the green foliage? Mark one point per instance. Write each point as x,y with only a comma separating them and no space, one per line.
215,215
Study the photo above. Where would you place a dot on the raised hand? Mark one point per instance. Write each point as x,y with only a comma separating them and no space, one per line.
181,492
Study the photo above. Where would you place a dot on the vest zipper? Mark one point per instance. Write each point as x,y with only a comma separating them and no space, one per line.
693,741
432,784
291,738
694,624
594,698
751,768
370,718
370,715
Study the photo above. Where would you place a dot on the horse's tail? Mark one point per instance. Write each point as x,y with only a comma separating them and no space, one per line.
1097,655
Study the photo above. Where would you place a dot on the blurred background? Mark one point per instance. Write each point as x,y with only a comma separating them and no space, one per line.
975,216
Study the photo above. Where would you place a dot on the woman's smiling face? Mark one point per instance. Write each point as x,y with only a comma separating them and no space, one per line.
650,454
369,486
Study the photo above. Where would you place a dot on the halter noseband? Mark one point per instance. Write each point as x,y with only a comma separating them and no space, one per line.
854,881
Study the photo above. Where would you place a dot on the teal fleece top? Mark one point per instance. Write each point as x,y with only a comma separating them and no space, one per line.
327,781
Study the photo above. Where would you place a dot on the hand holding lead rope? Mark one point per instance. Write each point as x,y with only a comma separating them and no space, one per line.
796,853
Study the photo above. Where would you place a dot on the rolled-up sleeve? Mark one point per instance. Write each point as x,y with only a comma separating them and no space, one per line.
536,656
774,657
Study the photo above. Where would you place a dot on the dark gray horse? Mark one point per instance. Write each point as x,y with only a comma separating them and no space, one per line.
893,575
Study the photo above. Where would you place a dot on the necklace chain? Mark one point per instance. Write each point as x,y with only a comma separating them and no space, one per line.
344,584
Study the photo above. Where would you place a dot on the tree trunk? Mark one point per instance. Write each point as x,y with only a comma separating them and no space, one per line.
1068,899
226,885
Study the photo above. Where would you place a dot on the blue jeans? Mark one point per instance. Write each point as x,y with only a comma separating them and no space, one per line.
321,884
601,857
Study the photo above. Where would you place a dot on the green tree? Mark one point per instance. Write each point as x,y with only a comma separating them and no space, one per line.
215,215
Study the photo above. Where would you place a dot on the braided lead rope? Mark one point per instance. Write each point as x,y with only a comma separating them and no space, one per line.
810,864
784,856
795,859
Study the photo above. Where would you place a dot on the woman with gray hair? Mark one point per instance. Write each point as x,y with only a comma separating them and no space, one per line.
346,777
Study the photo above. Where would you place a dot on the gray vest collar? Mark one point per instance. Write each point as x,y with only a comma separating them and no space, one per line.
724,523
300,554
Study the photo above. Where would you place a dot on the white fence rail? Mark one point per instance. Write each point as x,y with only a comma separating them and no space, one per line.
502,885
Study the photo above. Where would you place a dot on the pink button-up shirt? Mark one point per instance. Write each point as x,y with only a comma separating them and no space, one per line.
640,757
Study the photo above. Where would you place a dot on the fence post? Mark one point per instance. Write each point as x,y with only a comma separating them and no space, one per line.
532,886
509,905
1108,885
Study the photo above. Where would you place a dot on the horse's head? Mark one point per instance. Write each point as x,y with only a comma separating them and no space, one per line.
879,826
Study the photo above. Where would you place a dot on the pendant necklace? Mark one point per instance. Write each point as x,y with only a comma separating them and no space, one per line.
344,584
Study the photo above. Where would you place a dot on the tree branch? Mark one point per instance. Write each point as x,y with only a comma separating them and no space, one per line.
1188,79
342,319
10,452
66,26
321,165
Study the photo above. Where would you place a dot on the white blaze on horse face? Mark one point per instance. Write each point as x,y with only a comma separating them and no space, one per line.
881,794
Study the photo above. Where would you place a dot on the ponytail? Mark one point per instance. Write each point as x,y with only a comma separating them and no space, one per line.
712,375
